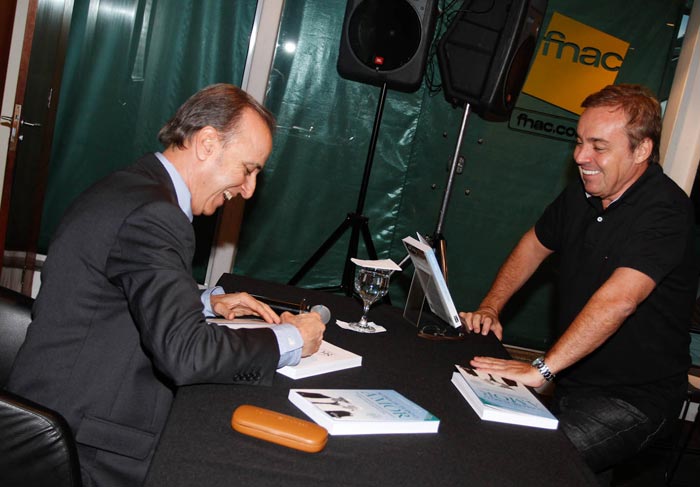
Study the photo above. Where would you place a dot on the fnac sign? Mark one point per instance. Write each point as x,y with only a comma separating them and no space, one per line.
573,61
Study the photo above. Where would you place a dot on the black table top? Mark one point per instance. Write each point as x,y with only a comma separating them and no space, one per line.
199,447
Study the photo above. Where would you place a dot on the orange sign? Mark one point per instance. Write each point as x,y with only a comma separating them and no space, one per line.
573,61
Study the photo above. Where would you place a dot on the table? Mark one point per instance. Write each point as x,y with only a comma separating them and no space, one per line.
199,447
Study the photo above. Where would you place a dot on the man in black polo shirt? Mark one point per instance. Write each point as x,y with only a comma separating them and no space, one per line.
627,283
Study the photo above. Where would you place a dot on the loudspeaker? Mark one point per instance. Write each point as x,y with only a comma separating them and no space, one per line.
387,41
486,51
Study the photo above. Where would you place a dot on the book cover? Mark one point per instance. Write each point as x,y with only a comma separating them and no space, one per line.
239,323
495,398
363,411
432,281
329,358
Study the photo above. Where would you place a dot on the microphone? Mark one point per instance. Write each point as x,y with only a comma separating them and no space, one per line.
279,306
324,312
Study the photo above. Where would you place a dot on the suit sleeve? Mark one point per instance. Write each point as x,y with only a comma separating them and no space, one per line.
151,262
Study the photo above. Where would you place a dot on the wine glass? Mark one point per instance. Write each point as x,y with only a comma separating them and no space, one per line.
371,285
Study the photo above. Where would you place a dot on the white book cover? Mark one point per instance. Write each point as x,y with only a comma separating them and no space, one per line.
363,411
329,358
432,281
239,323
495,398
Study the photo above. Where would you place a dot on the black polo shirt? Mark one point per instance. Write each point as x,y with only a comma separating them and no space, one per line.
650,229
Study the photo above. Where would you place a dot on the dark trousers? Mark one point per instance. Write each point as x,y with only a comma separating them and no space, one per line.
605,430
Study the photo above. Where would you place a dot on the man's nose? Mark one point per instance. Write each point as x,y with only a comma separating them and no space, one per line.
580,155
248,187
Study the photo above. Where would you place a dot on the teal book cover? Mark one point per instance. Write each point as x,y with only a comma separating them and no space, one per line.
363,411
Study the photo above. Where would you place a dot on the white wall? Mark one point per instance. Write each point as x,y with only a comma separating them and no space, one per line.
680,137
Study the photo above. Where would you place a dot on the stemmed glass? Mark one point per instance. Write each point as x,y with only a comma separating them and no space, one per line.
371,285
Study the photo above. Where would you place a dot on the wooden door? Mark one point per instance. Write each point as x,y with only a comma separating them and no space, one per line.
36,101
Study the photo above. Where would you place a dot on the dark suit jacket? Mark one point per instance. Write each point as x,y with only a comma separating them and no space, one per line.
118,324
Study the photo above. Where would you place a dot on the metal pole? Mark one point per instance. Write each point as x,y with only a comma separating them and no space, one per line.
453,169
438,240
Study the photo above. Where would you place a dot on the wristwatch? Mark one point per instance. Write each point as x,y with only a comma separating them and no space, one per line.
539,364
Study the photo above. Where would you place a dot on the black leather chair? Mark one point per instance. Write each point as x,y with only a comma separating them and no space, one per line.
36,446
15,316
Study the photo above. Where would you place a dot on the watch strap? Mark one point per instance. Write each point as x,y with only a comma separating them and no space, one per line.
543,369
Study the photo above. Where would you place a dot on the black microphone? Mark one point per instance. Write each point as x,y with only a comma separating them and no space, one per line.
279,306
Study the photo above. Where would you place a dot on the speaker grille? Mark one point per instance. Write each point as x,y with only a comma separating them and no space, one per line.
387,42
384,35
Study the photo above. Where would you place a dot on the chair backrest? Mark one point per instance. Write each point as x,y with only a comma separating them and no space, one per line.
15,316
37,447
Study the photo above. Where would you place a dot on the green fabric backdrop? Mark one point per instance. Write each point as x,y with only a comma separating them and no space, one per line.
132,62
314,175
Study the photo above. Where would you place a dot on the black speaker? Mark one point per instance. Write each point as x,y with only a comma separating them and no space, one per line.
486,51
387,41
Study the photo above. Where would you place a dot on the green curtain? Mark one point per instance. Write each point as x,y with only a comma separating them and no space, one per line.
130,64
314,174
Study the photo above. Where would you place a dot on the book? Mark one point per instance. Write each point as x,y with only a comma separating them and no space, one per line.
432,281
363,411
239,323
328,358
496,398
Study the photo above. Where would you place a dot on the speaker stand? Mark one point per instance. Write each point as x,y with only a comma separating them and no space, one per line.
355,221
438,239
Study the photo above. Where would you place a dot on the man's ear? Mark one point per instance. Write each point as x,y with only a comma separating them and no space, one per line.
206,142
643,150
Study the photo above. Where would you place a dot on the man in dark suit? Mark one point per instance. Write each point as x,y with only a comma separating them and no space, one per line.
119,321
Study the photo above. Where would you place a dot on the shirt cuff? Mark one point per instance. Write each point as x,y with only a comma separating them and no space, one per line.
290,342
206,300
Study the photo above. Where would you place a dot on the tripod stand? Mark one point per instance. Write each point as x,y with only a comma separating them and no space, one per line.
356,221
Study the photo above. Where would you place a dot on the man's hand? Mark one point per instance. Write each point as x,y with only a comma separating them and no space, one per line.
310,328
235,305
482,321
510,369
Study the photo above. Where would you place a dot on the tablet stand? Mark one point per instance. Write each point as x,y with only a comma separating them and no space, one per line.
417,311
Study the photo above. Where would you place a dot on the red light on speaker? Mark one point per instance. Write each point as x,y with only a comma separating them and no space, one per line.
378,61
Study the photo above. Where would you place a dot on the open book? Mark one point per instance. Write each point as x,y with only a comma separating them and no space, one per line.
431,281
495,398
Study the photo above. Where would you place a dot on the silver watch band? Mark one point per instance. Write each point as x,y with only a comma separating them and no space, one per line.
542,367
